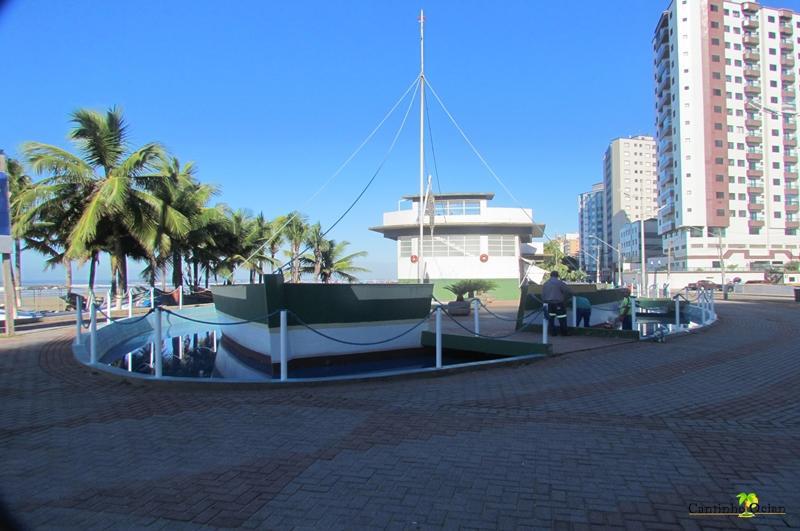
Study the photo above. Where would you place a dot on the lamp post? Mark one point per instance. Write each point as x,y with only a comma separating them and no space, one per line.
619,256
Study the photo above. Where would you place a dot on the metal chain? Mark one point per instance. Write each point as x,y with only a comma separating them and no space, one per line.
200,321
359,343
125,321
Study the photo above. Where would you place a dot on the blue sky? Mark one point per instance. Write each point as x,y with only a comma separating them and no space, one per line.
269,98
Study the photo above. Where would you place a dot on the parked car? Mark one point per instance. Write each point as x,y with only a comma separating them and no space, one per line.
704,284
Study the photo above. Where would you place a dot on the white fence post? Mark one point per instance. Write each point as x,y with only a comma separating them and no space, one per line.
130,361
476,319
575,311
439,337
108,302
180,298
214,340
634,323
130,303
78,320
545,323
284,347
152,298
157,361
677,312
93,334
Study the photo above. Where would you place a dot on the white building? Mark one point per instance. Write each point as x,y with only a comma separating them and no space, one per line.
726,104
590,227
630,241
470,240
631,188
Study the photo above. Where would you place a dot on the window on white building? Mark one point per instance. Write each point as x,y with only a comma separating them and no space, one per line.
502,245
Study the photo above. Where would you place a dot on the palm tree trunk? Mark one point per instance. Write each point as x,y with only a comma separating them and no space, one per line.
68,271
92,270
18,267
177,269
114,275
123,280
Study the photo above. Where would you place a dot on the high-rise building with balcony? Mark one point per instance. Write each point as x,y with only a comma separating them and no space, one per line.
631,188
590,227
726,79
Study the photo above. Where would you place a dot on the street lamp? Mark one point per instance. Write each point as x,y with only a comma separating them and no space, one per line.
619,256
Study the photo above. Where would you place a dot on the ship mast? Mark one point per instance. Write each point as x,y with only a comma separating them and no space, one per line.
420,262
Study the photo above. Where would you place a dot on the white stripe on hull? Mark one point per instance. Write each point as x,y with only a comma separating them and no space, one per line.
303,343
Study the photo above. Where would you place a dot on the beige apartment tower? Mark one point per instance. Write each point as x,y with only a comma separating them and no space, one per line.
726,82
631,189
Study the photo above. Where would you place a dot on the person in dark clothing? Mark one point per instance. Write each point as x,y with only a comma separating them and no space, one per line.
554,294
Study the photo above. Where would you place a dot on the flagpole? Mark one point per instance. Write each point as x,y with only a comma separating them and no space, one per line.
421,261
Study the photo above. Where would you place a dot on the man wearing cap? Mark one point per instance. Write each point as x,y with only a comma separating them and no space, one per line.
555,293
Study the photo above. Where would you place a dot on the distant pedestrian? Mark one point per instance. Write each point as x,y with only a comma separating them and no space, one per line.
554,294
583,311
625,307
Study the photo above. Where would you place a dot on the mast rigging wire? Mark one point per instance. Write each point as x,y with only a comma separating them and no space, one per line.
371,180
414,85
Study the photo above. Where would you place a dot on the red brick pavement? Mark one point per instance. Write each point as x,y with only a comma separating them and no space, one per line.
625,436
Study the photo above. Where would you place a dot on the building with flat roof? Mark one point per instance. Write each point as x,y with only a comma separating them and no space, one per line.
467,239
590,227
630,241
631,190
726,83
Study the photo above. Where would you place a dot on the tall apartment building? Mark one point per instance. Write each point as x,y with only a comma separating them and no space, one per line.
631,187
590,226
726,79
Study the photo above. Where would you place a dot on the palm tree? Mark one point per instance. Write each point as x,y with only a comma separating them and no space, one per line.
18,184
118,215
45,214
315,239
295,230
334,264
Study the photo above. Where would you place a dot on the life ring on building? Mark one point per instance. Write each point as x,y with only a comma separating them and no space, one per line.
484,258
414,259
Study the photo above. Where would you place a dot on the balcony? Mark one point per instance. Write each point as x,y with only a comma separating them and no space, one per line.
792,207
792,224
790,159
789,140
755,173
750,23
755,207
750,39
787,78
786,14
752,88
786,29
787,45
787,60
754,155
790,175
790,126
788,94
750,7
752,73
752,123
756,223
753,138
751,57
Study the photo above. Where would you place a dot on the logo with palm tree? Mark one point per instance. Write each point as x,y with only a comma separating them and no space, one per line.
748,502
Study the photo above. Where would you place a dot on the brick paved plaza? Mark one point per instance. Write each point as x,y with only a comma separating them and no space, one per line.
625,436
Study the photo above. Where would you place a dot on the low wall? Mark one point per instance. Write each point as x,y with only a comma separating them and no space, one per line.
678,280
768,290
